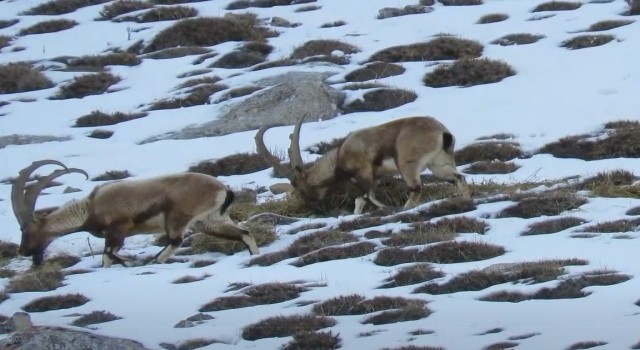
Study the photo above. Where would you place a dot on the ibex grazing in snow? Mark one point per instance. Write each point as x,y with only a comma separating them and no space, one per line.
406,146
118,209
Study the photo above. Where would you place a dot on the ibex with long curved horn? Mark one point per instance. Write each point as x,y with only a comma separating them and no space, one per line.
405,146
118,209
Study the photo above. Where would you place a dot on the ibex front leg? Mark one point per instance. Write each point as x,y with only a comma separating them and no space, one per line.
114,240
176,225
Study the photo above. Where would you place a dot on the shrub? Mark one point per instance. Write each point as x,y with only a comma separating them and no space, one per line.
60,7
94,317
380,100
314,340
121,7
610,24
376,70
97,118
553,225
338,23
634,7
98,62
557,6
59,302
285,326
169,13
491,167
86,85
468,72
517,39
336,253
442,253
547,203
112,175
416,273
51,26
8,23
493,18
263,294
460,2
440,48
487,152
618,142
39,280
322,48
588,40
21,77
209,31
236,164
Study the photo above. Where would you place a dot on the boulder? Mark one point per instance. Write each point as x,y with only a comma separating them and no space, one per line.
288,97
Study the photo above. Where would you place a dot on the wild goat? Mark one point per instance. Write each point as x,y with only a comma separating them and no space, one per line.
118,209
406,146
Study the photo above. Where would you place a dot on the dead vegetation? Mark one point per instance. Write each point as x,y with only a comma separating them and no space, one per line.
87,85
441,253
98,118
244,4
21,77
6,23
374,71
586,345
38,280
120,7
60,7
94,317
209,31
235,164
97,63
286,326
57,302
617,183
323,50
468,72
380,100
493,18
488,152
314,340
491,167
347,251
175,52
390,309
445,229
546,203
526,272
196,96
413,274
634,8
587,40
165,13
518,39
608,24
50,26
557,6
614,226
262,294
440,48
111,175
553,225
567,289
460,2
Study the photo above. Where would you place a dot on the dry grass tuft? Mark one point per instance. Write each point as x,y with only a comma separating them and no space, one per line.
567,289
38,280
443,230
547,203
338,23
62,261
6,23
380,100
94,317
634,8
553,225
374,71
416,273
97,63
189,279
111,175
166,13
618,183
60,7
587,40
322,47
621,225
22,77
58,302
528,273
121,7
440,48
394,309
209,31
616,143
557,6
8,250
98,118
491,167
608,24
442,253
86,85
235,164
468,72
415,347
5,41
197,96
493,18
190,344
51,26
460,2
314,340
336,253
518,39
262,294
487,152
586,345
285,326
181,51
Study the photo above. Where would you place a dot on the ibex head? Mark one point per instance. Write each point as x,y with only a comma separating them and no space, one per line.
312,182
33,224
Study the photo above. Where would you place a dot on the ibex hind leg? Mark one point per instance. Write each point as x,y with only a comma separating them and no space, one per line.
176,225
227,229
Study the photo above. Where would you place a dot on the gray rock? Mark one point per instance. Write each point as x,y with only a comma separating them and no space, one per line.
200,317
283,23
289,96
388,12
16,139
25,336
184,324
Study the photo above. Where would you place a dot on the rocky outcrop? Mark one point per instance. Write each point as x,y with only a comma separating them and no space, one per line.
29,139
289,96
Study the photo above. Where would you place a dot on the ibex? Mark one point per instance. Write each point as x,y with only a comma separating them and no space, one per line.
118,209
405,146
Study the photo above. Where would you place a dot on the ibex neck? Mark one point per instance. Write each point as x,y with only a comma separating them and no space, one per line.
67,219
323,170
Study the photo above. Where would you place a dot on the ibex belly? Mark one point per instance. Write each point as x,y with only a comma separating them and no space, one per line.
387,167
